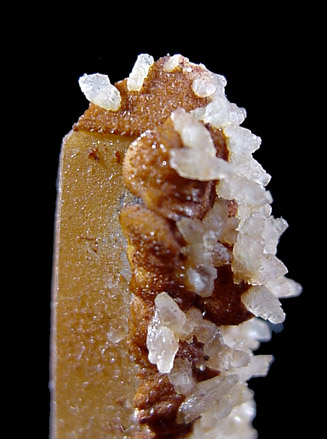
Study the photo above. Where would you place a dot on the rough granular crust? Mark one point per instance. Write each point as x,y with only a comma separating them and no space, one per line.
224,306
154,242
154,252
157,401
140,315
157,404
162,93
158,264
147,174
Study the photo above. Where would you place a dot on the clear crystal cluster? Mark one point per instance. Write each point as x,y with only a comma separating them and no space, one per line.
241,179
204,249
98,89
222,407
211,403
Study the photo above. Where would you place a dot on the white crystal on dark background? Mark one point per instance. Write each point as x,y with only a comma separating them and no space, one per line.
139,72
98,89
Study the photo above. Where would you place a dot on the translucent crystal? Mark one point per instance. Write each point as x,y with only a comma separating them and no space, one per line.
139,72
273,229
250,169
220,112
246,336
193,320
248,254
162,346
198,160
209,85
237,425
173,62
258,366
202,278
205,394
262,303
203,249
164,330
191,229
115,335
284,287
238,395
181,376
98,90
219,254
169,313
241,141
243,190
205,330
194,134
215,220
204,87
223,357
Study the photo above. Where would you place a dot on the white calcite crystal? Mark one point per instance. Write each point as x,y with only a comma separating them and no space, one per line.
98,89
237,425
242,179
198,160
212,403
223,407
139,72
206,246
181,376
162,343
262,303
204,396
164,331
246,336
237,395
172,63
201,279
219,112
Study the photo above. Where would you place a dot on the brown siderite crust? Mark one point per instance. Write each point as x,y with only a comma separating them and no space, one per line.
157,404
154,252
158,264
147,174
224,306
162,93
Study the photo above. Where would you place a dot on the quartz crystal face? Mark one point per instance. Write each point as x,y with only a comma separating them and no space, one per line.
166,275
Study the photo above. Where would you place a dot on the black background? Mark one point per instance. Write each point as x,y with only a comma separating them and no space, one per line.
270,59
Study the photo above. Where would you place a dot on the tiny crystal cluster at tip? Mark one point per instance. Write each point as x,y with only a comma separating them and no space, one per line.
221,407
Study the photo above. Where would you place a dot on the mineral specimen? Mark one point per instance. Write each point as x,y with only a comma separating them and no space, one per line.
159,172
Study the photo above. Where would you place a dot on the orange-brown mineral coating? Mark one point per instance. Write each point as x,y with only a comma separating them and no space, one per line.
162,93
158,264
224,306
156,399
147,174
154,252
